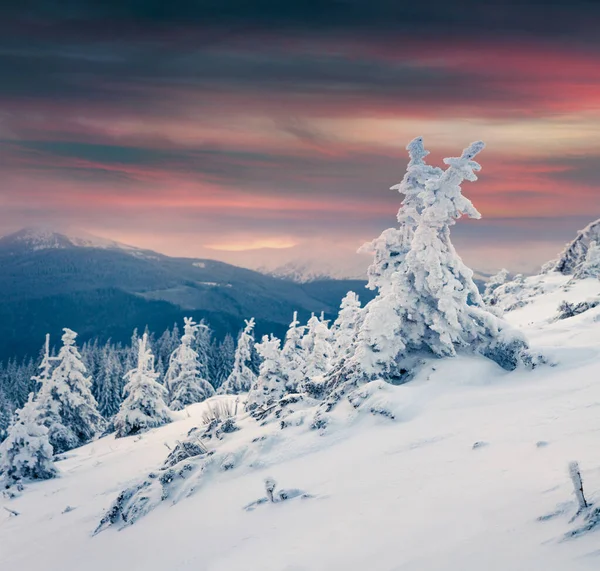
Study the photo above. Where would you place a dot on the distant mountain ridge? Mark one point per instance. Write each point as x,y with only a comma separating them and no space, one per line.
53,279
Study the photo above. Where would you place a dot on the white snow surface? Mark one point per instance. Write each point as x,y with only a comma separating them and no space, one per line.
456,482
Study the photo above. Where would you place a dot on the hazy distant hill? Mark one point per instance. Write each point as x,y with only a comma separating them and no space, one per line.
49,280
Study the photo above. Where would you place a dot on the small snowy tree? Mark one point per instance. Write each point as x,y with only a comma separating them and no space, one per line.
65,402
345,327
318,349
293,357
145,406
590,267
242,377
493,284
270,384
26,454
183,379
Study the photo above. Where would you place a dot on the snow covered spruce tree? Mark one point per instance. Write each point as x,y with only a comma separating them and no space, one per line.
269,387
390,248
345,327
144,407
65,403
241,377
183,378
318,353
26,454
429,303
293,356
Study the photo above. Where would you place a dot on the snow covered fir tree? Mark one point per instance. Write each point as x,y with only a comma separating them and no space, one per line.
242,377
26,454
145,406
427,302
269,386
65,404
184,379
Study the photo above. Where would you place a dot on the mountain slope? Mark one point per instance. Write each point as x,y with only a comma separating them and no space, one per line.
471,474
50,280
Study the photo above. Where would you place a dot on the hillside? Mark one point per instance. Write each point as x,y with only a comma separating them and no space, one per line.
414,493
84,281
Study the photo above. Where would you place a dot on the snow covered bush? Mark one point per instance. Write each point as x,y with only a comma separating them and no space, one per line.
567,309
145,406
183,378
26,454
65,404
589,267
242,377
575,252
493,284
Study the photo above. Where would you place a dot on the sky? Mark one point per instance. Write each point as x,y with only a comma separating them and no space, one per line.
263,132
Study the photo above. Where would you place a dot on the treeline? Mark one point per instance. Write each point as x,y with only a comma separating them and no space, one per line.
107,363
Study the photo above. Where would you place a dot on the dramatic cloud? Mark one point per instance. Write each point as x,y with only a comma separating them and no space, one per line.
276,128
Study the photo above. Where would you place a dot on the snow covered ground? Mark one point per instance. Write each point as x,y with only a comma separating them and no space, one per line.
458,481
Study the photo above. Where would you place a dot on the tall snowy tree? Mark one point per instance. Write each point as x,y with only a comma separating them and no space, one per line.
391,247
26,454
65,402
183,379
430,303
242,377
145,406
293,356
270,384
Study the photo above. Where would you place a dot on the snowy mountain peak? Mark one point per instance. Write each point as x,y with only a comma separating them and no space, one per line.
44,238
